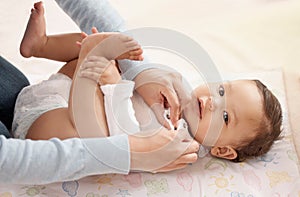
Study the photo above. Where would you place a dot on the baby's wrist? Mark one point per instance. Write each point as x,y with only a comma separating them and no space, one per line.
110,80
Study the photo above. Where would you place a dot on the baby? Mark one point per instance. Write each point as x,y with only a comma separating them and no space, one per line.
236,120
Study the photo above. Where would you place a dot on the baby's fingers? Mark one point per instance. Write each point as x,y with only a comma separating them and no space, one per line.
94,30
94,58
91,74
94,62
78,44
83,35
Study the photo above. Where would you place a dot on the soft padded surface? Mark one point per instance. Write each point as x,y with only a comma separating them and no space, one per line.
274,174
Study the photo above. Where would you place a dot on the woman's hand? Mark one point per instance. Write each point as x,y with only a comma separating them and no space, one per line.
162,89
162,150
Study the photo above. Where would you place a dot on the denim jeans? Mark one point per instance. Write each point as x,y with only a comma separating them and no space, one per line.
11,83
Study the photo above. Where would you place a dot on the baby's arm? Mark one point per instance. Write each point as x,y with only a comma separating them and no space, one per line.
117,93
89,116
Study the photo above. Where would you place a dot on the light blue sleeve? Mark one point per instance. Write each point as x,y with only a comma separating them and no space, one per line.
130,69
102,15
93,13
41,162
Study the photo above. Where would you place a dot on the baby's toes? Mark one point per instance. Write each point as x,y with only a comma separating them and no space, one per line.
136,52
132,46
137,58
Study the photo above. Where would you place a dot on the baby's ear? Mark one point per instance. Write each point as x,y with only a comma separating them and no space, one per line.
224,152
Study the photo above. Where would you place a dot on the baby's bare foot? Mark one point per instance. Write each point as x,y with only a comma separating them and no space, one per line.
35,33
132,55
118,46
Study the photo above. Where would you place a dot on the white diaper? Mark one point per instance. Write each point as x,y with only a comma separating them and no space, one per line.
35,100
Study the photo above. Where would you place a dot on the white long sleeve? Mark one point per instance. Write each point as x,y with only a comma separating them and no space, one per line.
119,109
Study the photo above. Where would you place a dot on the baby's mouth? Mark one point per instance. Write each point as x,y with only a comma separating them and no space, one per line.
200,108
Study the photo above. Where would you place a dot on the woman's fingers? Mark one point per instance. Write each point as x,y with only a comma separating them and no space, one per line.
180,163
187,159
172,99
192,148
171,167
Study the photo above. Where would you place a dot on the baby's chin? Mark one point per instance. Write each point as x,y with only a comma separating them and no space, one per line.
191,115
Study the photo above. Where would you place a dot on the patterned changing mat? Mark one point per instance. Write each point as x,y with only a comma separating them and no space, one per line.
274,174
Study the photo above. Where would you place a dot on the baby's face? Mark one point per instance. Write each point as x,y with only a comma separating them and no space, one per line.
229,111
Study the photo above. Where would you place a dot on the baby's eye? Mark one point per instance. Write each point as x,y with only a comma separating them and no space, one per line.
221,90
225,117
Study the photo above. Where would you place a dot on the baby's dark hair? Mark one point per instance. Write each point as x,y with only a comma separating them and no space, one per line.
269,128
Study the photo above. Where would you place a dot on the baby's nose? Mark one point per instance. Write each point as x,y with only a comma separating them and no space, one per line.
208,103
211,104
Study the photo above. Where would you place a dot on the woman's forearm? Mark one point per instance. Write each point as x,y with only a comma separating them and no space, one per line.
93,13
41,162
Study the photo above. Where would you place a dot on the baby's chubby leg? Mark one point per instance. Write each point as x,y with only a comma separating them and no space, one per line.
35,34
36,43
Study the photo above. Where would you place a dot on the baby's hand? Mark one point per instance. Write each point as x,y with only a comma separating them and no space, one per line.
100,70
